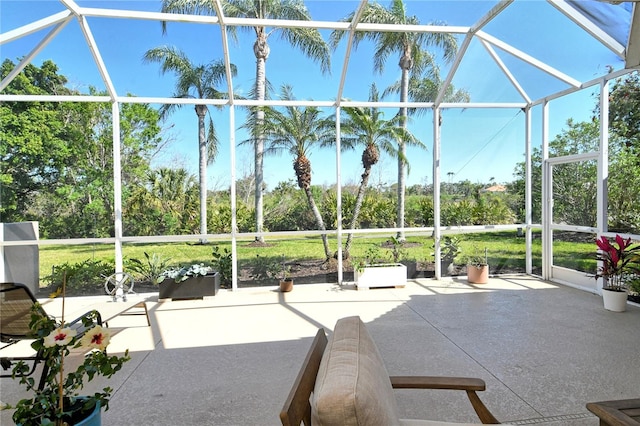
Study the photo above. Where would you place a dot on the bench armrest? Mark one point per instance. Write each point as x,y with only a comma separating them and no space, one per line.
468,384
437,382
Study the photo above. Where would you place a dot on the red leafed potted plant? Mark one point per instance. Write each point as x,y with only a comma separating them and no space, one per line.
618,260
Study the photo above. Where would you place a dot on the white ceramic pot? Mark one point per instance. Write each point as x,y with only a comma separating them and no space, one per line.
615,301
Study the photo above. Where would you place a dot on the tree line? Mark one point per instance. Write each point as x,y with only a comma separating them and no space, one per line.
57,164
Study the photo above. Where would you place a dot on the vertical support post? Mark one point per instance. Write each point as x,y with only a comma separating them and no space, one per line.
117,184
436,190
339,196
603,160
528,190
3,276
234,211
602,198
547,197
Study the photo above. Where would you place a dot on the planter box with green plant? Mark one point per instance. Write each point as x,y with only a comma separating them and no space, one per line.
373,272
188,282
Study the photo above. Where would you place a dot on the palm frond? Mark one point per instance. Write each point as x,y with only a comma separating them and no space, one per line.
212,142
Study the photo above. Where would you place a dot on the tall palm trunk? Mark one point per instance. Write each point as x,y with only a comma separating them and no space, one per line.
320,222
356,209
370,157
302,168
201,111
261,51
405,64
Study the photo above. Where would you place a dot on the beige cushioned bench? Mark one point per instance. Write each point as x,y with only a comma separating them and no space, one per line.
343,382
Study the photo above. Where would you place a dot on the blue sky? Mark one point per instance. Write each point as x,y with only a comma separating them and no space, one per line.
476,144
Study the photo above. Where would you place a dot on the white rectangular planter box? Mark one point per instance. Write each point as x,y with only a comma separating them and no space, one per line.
383,275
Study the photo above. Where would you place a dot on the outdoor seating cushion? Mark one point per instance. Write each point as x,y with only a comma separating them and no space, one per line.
352,386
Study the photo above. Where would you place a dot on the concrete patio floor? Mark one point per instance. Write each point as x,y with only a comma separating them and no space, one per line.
544,350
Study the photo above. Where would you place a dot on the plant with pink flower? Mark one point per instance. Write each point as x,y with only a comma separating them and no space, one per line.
618,259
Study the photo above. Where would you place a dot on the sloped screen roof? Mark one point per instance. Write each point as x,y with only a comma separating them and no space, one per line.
509,26
614,19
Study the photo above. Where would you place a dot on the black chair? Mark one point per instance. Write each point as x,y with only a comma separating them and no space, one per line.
16,304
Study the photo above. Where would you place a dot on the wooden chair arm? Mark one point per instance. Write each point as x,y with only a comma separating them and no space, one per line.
437,382
616,413
468,384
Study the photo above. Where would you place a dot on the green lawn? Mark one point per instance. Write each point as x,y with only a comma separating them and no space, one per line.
505,250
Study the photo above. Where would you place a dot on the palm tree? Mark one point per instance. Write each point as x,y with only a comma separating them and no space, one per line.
367,126
308,40
414,58
297,130
165,204
198,82
174,188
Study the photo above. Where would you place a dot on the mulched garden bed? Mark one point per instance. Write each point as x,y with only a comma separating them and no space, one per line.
303,272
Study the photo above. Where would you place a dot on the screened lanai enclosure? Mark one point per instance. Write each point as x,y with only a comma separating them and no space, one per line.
243,124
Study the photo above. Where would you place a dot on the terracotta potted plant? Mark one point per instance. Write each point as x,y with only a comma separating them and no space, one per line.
618,263
478,267
286,282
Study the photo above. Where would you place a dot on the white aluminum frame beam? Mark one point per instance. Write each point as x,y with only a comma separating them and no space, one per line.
225,50
528,191
506,71
34,52
72,6
484,20
117,186
528,59
251,102
547,208
97,57
347,56
436,190
602,219
343,76
339,192
584,23
33,27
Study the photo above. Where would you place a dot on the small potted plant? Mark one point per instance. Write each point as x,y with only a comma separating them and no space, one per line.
269,269
449,250
619,262
286,282
188,282
223,263
477,267
59,402
633,288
